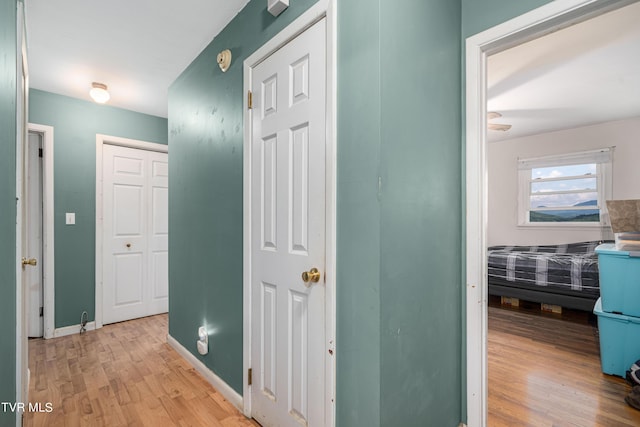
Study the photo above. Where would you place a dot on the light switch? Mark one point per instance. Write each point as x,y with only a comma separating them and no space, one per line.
71,218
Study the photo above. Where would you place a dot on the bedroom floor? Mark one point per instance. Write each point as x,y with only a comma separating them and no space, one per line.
544,370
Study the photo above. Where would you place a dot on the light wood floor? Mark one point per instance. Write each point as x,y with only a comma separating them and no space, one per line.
122,375
544,371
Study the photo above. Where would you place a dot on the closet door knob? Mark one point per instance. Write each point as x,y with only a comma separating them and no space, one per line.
311,276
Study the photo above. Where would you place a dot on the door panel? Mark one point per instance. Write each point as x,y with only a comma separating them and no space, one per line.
135,230
288,232
160,277
158,233
299,190
128,201
268,339
128,279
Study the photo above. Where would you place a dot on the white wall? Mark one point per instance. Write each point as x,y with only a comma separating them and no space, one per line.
503,178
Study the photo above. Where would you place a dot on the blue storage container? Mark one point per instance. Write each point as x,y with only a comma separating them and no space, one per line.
619,280
619,340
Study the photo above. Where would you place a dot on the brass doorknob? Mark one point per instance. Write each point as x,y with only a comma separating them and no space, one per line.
29,261
311,276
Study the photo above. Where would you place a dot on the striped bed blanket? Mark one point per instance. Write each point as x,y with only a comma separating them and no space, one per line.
570,267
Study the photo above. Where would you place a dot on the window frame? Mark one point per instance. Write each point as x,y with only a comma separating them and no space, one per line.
603,159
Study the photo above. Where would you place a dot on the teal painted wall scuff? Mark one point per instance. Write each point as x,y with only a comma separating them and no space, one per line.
76,123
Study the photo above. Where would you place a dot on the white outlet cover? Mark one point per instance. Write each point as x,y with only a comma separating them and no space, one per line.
71,218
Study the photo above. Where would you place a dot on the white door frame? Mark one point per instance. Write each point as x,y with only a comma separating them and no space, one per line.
548,18
322,9
122,142
22,112
48,260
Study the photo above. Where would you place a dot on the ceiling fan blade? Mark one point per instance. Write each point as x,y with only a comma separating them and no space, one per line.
493,115
497,126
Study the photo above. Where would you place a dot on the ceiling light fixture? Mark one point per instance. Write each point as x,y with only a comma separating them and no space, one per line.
99,92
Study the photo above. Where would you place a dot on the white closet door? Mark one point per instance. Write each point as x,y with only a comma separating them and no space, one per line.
288,233
135,233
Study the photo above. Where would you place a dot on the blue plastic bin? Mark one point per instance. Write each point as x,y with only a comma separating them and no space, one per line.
619,280
619,340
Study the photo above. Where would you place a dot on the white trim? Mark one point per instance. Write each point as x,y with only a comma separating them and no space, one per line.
48,253
331,208
72,329
123,142
246,248
322,9
548,18
22,103
218,383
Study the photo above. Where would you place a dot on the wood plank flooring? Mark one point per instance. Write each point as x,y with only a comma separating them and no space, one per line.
122,375
544,371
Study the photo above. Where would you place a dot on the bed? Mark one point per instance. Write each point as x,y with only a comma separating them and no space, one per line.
565,275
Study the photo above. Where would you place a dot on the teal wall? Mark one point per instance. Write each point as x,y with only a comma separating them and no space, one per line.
399,285
205,191
8,205
76,123
479,15
358,214
420,255
400,243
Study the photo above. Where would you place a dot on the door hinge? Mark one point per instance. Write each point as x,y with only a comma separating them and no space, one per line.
41,311
249,376
250,100
39,152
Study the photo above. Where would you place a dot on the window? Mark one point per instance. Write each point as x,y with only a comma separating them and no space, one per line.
568,189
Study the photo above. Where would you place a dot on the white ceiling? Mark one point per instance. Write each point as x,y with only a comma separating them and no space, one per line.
584,74
137,48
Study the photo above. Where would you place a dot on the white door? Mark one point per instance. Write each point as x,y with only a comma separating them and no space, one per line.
288,233
33,275
135,233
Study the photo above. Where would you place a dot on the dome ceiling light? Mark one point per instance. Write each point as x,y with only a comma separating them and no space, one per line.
99,92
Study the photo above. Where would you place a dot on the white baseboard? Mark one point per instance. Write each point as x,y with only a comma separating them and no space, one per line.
73,329
218,383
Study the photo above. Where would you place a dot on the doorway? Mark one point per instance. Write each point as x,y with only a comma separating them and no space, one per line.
289,225
131,229
34,275
543,20
41,217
